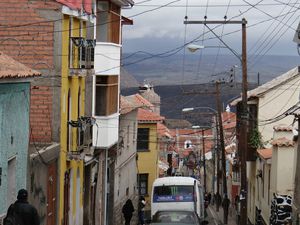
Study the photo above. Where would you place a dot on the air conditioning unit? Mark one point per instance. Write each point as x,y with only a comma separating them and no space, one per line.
86,54
84,136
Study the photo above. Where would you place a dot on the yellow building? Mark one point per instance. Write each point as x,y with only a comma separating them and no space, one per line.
147,148
75,64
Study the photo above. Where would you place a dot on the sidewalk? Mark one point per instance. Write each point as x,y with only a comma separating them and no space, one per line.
218,216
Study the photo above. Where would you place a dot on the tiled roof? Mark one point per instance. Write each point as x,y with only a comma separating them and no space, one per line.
162,130
283,128
265,153
147,116
259,91
283,142
10,68
177,123
229,120
139,100
125,105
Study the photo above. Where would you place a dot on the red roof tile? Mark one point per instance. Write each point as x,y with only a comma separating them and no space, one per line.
265,153
283,142
162,130
125,105
10,68
283,128
147,116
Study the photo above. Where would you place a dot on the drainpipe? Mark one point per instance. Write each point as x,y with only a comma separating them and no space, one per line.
105,189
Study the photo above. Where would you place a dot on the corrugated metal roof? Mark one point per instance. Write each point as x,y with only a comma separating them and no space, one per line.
261,90
10,68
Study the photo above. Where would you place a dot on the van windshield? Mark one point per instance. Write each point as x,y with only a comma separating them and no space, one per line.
173,193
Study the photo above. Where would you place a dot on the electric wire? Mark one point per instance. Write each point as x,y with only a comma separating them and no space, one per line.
266,32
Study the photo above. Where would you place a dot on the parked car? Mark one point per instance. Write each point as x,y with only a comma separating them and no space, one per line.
176,218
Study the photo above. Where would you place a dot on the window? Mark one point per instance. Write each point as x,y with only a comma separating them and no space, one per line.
143,139
107,91
143,183
102,21
69,127
108,22
187,144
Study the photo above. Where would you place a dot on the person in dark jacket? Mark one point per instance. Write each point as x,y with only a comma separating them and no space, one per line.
142,204
127,211
26,214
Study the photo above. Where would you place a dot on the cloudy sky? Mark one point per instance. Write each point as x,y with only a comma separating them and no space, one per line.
158,25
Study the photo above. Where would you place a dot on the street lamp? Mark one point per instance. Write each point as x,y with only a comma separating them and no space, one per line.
244,113
200,107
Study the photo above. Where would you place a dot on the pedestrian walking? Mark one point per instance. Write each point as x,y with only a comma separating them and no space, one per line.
21,212
142,204
209,197
127,211
225,205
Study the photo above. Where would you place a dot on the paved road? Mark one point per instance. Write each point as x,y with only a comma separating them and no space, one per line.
216,218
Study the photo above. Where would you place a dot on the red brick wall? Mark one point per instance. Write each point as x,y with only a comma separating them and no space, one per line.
24,34
41,114
29,38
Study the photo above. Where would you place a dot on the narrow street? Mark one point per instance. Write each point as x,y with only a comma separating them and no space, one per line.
216,218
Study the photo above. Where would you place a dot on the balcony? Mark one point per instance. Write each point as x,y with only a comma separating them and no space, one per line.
81,60
107,58
105,131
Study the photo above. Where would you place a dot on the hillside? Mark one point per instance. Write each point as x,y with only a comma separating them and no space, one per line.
174,99
168,71
172,84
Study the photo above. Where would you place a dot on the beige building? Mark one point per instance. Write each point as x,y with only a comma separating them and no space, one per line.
267,105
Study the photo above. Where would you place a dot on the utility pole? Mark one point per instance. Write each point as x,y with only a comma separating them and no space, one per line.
217,162
203,156
222,148
243,142
244,128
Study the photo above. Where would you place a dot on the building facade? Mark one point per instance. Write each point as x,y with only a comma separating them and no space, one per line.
15,85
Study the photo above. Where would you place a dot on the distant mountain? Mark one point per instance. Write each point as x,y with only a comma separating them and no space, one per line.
166,74
196,69
176,97
127,80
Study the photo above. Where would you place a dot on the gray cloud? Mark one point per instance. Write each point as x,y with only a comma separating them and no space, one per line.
163,28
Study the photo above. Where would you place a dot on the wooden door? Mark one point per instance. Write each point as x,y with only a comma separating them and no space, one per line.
66,198
51,194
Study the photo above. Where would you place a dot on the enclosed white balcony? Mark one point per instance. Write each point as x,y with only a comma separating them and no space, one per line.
105,131
107,58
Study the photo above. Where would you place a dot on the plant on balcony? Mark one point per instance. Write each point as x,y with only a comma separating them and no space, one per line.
256,139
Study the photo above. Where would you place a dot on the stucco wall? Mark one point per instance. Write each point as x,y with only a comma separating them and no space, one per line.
14,137
147,161
274,103
125,166
285,171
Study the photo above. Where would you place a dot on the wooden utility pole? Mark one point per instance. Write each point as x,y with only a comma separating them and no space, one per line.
244,129
203,157
222,145
243,142
217,161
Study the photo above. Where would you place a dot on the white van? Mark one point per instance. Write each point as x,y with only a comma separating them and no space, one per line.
177,193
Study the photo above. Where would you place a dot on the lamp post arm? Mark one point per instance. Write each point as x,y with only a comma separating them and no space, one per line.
206,107
230,49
